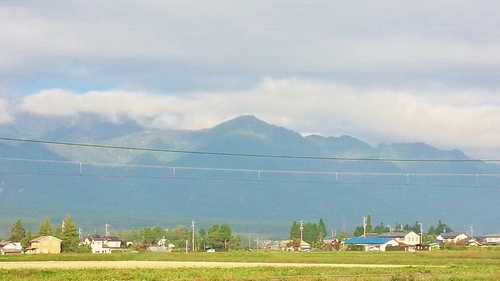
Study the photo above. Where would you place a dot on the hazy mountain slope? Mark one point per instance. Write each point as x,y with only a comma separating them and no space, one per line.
278,176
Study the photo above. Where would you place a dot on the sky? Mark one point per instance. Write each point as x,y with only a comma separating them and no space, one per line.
381,71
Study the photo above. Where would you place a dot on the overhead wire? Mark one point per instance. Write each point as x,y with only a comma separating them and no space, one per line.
295,172
243,154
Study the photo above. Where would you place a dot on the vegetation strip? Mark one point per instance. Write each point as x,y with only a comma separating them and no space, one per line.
171,264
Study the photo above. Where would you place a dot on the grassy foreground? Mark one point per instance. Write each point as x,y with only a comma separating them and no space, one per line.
438,265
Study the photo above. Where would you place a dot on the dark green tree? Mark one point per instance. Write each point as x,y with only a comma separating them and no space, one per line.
442,228
17,232
369,227
321,230
432,231
219,236
45,228
295,230
25,242
69,236
202,238
310,233
226,234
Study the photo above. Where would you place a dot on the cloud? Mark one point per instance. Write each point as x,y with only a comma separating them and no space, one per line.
155,44
447,120
5,114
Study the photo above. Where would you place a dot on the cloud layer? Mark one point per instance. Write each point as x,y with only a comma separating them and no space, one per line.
384,72
446,121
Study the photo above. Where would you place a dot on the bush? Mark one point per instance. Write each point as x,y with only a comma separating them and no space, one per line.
394,249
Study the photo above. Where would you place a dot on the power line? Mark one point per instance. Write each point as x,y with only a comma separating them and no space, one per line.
242,154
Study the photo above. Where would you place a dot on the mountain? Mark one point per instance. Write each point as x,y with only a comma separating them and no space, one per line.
255,176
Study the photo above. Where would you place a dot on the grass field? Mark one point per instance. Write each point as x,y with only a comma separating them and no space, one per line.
437,265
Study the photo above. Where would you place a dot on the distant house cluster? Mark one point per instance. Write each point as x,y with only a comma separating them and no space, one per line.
411,241
52,245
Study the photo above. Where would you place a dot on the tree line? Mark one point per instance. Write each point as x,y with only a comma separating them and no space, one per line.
219,237
432,231
67,232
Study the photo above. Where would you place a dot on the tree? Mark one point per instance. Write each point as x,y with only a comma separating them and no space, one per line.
310,234
225,232
25,242
219,236
442,228
295,230
17,232
69,236
45,228
202,237
321,230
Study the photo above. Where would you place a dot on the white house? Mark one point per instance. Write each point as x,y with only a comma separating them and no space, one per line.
10,248
492,239
452,237
100,244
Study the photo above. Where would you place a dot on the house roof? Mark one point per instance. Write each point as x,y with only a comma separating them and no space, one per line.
367,240
38,239
494,235
112,238
452,235
395,234
4,243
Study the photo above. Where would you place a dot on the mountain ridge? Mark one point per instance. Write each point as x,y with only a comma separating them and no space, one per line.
275,175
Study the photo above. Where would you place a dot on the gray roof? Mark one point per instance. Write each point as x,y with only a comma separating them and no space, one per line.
394,234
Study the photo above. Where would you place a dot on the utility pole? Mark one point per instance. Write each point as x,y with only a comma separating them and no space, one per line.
301,231
192,226
364,226
421,232
106,229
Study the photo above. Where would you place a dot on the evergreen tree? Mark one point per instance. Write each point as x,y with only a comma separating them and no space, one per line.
69,236
45,228
17,232
310,232
369,227
295,230
432,231
321,230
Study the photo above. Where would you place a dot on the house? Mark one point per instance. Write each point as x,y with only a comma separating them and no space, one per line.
407,237
372,243
99,244
452,237
491,239
45,245
10,248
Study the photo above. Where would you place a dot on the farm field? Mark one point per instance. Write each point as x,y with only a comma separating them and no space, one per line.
438,265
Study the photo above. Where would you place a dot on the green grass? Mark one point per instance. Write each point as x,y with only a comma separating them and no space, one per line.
437,265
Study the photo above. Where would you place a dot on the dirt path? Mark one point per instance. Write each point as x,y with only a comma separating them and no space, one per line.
167,264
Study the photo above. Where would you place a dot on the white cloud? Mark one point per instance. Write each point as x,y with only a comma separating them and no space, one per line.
5,114
452,120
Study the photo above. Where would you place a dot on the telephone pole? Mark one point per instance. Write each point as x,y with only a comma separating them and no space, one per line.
192,229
